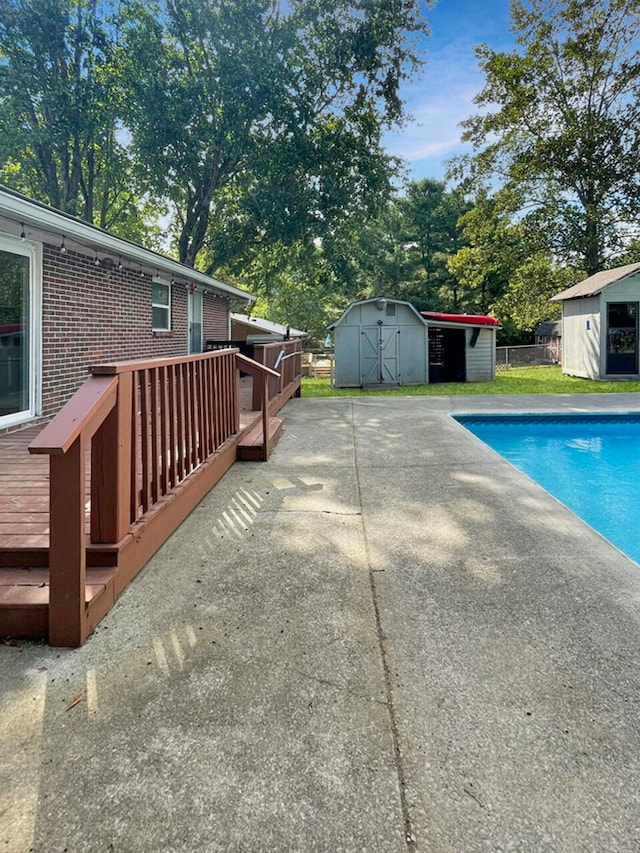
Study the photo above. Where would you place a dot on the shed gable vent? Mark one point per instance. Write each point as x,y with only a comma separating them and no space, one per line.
391,309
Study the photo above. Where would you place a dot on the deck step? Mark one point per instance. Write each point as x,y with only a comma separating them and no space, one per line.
250,446
24,599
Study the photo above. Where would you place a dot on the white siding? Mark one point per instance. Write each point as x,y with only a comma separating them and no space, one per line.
481,358
627,290
581,337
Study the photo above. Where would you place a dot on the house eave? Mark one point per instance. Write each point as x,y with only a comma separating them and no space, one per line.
28,213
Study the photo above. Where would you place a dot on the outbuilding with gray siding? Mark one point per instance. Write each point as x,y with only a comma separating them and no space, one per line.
600,325
384,342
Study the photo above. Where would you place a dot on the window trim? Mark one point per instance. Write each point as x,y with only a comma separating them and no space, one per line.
166,307
609,354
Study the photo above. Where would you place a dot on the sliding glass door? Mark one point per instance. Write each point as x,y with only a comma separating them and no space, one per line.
17,329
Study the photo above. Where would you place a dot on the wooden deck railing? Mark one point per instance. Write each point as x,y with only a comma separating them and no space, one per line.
180,411
285,357
148,426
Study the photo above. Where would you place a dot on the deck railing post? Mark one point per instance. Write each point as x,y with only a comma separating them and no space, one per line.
67,552
264,383
110,469
259,356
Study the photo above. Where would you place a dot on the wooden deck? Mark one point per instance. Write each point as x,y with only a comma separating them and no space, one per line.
24,490
25,481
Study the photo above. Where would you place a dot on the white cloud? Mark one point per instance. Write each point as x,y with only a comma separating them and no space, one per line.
438,103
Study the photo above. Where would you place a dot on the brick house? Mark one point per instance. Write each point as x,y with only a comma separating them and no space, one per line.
73,295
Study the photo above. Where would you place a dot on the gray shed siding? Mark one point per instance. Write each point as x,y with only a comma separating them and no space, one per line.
627,290
581,339
584,330
386,346
481,358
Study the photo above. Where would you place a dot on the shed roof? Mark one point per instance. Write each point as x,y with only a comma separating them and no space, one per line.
596,283
461,319
24,213
263,325
378,300
549,328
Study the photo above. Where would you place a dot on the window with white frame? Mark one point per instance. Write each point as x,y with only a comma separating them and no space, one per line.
20,329
161,306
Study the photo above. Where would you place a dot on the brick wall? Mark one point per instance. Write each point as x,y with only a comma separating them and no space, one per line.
215,322
92,315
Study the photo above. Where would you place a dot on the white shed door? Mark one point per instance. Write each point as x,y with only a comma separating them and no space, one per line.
379,355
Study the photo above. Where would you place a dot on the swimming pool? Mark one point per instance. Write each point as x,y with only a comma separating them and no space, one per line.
591,463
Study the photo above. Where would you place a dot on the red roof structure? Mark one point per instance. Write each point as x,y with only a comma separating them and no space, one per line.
469,319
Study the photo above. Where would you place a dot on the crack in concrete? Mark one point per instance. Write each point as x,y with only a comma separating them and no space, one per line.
326,682
409,836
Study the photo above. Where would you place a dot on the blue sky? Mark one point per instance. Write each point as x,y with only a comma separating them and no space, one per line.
442,96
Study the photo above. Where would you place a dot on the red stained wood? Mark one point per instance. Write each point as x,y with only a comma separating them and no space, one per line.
83,414
67,546
155,439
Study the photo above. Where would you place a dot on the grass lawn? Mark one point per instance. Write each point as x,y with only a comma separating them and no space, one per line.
520,380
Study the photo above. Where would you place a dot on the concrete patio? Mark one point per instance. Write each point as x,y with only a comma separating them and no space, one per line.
385,638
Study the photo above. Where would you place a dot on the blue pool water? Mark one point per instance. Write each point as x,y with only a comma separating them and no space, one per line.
591,463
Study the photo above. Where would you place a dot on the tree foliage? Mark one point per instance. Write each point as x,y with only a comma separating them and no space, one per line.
561,122
265,121
59,109
494,250
259,118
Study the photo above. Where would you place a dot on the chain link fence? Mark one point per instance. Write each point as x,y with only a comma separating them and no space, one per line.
526,356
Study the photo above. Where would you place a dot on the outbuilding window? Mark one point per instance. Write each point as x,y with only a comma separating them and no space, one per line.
161,306
622,337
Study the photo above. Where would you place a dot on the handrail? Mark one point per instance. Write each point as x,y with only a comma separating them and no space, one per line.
116,367
262,373
255,367
148,425
290,364
83,413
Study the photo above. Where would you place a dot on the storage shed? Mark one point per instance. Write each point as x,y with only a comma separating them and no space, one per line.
387,342
380,342
600,325
462,347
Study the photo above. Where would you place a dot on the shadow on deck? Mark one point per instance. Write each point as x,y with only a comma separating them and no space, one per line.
88,499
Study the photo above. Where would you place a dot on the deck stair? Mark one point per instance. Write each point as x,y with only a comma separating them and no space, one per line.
251,445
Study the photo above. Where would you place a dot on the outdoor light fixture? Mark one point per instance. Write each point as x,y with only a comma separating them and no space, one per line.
120,265
381,304
23,236
96,261
63,248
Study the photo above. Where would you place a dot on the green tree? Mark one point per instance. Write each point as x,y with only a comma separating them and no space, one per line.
264,121
495,249
561,122
59,139
525,302
432,234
